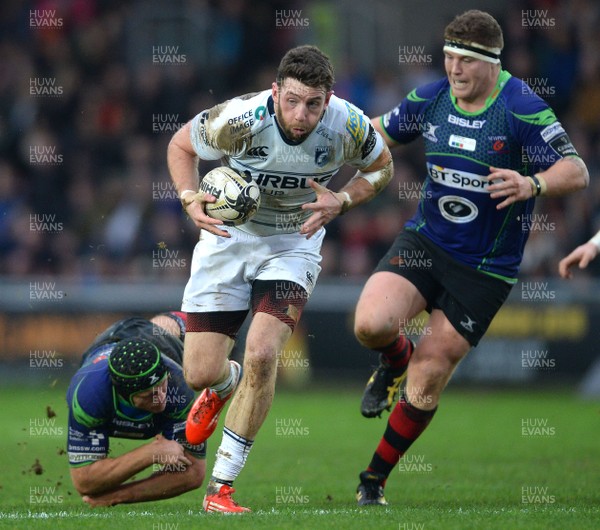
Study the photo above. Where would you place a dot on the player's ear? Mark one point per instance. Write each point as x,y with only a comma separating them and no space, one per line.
275,91
328,97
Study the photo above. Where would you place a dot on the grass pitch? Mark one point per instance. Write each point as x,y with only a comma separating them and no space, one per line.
497,459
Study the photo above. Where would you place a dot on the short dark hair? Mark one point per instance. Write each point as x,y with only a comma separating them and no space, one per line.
475,26
309,65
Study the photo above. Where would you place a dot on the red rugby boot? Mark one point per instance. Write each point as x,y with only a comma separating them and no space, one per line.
222,502
204,415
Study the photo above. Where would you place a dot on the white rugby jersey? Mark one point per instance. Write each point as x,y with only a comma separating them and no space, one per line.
245,135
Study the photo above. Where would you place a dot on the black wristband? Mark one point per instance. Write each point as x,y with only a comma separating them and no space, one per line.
538,186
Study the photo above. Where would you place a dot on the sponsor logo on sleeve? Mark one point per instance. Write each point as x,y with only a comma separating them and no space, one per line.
386,119
202,121
356,125
179,427
76,458
562,145
552,131
370,143
241,122
75,435
96,438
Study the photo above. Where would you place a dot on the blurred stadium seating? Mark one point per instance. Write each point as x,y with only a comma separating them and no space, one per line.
88,107
91,92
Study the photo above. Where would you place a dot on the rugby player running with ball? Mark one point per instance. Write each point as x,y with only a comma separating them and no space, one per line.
291,140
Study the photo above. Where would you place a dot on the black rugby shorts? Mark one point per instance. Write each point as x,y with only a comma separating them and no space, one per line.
468,298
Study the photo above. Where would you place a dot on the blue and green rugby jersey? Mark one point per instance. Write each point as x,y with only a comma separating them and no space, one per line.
515,130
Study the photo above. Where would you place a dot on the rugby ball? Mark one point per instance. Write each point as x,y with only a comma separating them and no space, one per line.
238,196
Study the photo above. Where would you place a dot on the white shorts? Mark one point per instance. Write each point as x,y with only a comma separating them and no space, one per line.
223,269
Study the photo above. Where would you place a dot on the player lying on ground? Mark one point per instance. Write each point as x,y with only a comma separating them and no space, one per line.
131,385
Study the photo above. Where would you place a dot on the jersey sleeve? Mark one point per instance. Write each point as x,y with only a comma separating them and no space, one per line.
362,143
224,129
542,136
205,148
407,121
87,438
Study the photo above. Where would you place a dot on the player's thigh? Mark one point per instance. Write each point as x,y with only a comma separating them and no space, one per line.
266,338
276,308
291,258
433,361
441,348
218,274
387,300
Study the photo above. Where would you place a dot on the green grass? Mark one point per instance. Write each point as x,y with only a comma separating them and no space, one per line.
468,470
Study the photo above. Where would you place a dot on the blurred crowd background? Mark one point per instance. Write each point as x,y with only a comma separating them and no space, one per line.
91,92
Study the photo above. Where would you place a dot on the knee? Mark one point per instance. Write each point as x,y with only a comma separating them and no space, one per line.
432,366
373,334
196,381
260,362
200,377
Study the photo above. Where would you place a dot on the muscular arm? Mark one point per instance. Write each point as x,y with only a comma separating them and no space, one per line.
182,161
161,485
330,204
360,189
565,176
376,122
109,473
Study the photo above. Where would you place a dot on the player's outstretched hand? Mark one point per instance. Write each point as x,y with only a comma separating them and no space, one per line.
168,452
326,208
582,256
508,184
96,501
195,208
